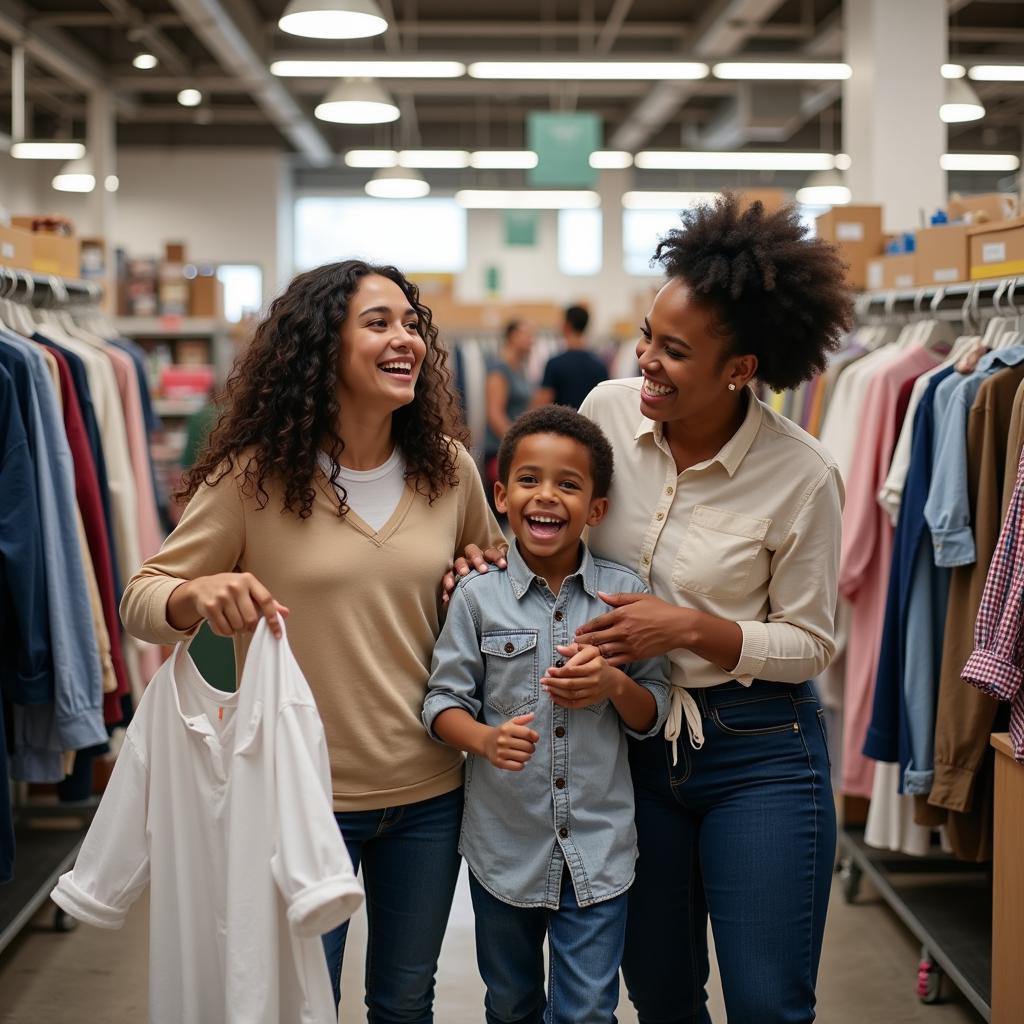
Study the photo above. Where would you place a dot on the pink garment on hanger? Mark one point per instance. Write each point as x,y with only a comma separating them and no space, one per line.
867,555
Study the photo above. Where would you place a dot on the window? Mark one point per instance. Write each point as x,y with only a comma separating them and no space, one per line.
416,235
579,242
243,289
641,230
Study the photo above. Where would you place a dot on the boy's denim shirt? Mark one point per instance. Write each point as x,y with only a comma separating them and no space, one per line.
572,804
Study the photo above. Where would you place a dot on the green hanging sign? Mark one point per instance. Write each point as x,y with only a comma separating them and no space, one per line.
563,144
521,227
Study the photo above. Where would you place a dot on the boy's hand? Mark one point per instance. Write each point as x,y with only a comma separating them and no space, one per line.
511,744
586,678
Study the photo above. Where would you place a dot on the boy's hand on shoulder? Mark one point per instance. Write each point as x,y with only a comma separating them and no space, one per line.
586,678
511,745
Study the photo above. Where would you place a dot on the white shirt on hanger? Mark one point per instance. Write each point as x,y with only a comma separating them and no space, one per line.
221,803
373,494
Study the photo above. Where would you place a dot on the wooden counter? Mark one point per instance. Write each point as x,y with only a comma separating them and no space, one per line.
1008,887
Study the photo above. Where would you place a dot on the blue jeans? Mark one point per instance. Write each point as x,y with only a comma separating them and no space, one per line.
410,862
743,830
584,952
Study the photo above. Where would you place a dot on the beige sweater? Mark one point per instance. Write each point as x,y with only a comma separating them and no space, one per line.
365,614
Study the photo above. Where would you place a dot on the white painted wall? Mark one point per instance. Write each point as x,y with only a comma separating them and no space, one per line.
18,183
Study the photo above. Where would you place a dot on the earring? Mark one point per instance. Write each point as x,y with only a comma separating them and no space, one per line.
732,387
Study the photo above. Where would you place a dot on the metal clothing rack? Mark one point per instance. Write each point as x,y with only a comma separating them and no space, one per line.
945,903
47,835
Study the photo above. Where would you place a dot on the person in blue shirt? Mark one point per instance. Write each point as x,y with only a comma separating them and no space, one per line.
571,375
548,829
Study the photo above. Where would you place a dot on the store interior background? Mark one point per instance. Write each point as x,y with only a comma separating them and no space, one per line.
250,177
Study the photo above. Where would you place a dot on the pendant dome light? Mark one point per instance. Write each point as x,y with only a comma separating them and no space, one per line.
961,103
397,183
358,101
333,19
76,176
824,188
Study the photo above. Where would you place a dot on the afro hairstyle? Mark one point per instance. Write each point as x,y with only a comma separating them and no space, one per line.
773,291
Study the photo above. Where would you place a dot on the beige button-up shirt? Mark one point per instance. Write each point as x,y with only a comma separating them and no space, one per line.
751,535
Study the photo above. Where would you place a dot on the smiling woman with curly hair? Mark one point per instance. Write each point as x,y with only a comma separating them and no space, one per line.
334,491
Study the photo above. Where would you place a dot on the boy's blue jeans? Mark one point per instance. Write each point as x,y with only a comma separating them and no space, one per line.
584,953
743,830
410,862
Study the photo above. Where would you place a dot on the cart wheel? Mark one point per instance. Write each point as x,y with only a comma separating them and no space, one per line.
850,875
929,979
63,922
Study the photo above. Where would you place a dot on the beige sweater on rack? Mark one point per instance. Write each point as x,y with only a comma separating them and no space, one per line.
365,613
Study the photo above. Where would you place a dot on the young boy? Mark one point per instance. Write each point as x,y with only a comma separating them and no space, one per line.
548,823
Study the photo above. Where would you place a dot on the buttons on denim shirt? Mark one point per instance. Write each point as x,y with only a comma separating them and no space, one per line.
509,648
559,616
559,783
560,731
560,663
563,833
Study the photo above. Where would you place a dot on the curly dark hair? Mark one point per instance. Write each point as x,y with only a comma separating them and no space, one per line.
566,422
281,398
774,292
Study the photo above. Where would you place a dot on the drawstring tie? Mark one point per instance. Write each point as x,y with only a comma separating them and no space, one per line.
683,704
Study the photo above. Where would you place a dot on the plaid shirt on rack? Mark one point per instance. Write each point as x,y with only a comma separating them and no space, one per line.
997,665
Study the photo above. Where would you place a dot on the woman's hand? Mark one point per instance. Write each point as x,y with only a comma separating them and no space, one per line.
232,603
639,626
480,560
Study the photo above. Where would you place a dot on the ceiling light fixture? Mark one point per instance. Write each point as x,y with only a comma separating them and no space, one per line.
40,149
333,19
590,70
997,73
371,158
526,199
355,101
76,176
961,103
368,68
434,158
397,183
145,61
793,71
979,162
610,160
666,200
112,183
190,97
953,70
824,188
679,160
503,159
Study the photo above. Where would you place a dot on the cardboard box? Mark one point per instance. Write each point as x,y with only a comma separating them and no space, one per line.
985,208
206,296
891,273
997,250
942,256
15,248
56,254
174,252
857,231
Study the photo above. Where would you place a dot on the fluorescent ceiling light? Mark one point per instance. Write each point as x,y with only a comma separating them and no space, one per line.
953,70
47,150
333,19
590,70
503,159
190,97
961,103
979,162
679,160
112,183
371,158
434,158
358,102
76,176
526,199
997,72
824,188
610,159
666,200
397,183
794,71
145,61
368,68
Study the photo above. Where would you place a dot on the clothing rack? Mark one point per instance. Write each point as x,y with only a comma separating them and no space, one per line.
945,903
47,834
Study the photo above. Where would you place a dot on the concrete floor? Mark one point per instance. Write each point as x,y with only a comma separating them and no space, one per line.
868,973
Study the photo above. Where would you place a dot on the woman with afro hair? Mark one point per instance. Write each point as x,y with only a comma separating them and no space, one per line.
333,490
732,515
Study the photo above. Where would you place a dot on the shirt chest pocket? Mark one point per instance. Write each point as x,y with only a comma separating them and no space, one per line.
723,553
513,684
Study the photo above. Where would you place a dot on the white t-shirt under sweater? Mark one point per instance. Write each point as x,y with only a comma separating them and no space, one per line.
221,804
373,494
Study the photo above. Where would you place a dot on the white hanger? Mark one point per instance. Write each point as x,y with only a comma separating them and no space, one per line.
1011,334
